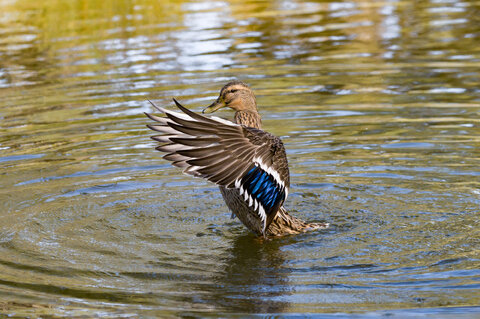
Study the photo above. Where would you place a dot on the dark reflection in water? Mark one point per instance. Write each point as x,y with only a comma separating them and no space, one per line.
253,277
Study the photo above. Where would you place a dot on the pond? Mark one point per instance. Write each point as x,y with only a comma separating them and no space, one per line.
378,105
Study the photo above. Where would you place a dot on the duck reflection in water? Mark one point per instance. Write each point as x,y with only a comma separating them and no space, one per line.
253,279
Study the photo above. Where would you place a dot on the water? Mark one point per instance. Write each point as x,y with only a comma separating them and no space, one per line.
378,104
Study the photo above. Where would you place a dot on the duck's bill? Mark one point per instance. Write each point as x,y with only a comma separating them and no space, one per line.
213,107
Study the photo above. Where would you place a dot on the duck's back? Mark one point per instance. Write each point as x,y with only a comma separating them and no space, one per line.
232,197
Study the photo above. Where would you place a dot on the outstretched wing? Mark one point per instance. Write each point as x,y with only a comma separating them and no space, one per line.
227,154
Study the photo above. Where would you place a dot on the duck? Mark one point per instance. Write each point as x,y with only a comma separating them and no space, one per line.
248,164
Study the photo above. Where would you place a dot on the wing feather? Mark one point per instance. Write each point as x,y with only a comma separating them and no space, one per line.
228,154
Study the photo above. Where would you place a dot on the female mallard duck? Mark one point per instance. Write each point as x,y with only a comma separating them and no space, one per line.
249,165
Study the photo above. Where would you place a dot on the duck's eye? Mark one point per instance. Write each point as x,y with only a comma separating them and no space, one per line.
233,91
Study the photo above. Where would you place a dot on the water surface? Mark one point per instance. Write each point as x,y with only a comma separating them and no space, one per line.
378,104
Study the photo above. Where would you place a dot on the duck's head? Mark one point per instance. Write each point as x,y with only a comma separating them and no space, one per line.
235,95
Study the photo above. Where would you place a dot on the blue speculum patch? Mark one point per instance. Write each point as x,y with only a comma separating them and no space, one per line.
263,187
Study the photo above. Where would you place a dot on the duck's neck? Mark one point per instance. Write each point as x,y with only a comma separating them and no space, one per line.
248,118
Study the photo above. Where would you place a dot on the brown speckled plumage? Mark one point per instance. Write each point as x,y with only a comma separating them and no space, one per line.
249,165
250,119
